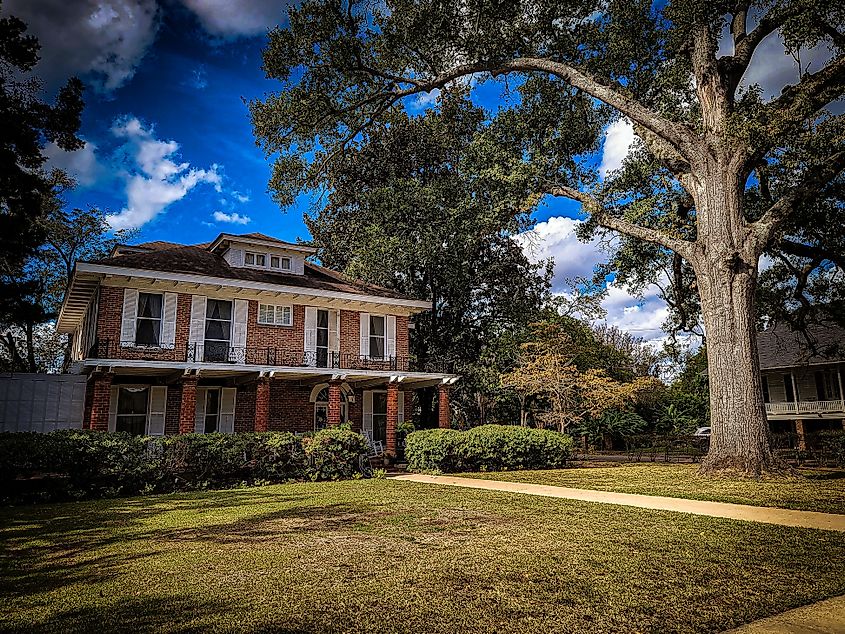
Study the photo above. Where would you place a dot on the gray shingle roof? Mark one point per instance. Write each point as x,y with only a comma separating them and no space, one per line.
780,347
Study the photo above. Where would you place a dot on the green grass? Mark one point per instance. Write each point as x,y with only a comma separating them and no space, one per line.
814,491
391,556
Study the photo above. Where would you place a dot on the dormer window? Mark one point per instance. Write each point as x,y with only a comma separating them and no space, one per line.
255,259
279,262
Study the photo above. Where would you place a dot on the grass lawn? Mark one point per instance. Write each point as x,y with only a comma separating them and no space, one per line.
390,556
817,490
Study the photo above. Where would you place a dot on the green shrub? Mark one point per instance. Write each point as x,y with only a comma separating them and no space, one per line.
74,464
334,453
612,424
831,447
487,448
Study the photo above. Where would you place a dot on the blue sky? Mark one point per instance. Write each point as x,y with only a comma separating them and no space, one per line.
169,147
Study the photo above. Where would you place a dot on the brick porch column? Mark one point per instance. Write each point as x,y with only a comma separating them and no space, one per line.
100,387
334,402
262,404
443,413
188,406
802,437
392,418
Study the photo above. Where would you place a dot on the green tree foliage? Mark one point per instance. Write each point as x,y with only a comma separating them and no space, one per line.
28,124
720,177
409,207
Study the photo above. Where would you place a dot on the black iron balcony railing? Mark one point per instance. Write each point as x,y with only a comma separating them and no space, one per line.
222,352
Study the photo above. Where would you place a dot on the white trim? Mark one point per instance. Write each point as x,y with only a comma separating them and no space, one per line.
189,278
258,241
275,308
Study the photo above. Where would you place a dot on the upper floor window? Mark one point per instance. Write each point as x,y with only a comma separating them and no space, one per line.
275,315
377,336
280,262
255,259
148,320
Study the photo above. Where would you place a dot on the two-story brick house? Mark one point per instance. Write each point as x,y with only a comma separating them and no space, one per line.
241,334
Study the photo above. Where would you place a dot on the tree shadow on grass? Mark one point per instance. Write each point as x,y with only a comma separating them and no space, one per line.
177,614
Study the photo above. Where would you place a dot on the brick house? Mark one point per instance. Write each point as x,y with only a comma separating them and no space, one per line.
241,334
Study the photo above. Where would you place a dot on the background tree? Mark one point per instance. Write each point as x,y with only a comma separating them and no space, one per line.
721,175
28,125
409,208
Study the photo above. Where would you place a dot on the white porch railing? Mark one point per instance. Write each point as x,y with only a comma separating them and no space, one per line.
805,407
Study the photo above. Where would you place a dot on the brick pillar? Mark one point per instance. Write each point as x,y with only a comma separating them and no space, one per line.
334,402
443,413
262,404
188,406
802,437
100,387
392,418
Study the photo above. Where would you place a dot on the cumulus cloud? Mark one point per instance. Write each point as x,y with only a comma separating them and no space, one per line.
232,218
618,139
102,41
82,164
231,19
154,179
555,238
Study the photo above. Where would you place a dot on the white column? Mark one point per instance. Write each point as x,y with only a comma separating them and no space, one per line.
794,391
839,378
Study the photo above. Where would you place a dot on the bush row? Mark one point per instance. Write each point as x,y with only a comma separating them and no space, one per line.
72,464
487,448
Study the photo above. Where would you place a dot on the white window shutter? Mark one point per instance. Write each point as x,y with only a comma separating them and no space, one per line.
199,419
113,409
367,424
168,322
158,405
364,349
227,410
310,336
390,336
401,407
130,315
241,315
334,331
196,335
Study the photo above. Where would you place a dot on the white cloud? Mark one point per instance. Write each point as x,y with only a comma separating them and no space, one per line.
241,198
81,164
555,238
641,316
153,179
233,218
618,139
101,40
246,17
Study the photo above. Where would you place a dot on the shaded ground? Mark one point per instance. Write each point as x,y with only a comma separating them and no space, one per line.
383,556
816,490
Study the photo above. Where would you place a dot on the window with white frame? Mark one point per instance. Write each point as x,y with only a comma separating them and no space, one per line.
255,259
148,319
271,315
280,262
378,342
131,414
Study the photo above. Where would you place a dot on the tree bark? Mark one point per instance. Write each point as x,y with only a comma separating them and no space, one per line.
726,274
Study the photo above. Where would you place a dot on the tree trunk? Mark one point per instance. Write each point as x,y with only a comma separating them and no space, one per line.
30,347
739,438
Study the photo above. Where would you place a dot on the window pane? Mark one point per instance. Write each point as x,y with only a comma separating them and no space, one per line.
218,309
260,259
380,403
217,330
377,347
286,263
274,261
149,305
132,401
212,402
283,315
376,325
322,319
249,258
135,425
147,331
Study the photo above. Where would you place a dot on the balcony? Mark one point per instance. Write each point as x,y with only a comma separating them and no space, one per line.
804,407
221,353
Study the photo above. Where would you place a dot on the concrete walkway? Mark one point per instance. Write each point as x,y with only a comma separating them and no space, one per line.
784,517
825,617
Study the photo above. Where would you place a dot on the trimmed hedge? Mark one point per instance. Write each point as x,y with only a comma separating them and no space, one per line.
487,448
71,464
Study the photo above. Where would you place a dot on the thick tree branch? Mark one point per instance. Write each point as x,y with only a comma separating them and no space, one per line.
608,221
812,252
815,179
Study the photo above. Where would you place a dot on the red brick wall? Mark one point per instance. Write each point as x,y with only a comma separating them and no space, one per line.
245,408
259,337
171,414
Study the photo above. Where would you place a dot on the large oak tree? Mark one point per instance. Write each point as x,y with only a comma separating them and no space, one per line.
722,176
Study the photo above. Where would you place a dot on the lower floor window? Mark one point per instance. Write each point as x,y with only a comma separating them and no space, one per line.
132,410
380,416
212,410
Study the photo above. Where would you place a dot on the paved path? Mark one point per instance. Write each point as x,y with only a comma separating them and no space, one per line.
784,517
825,617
